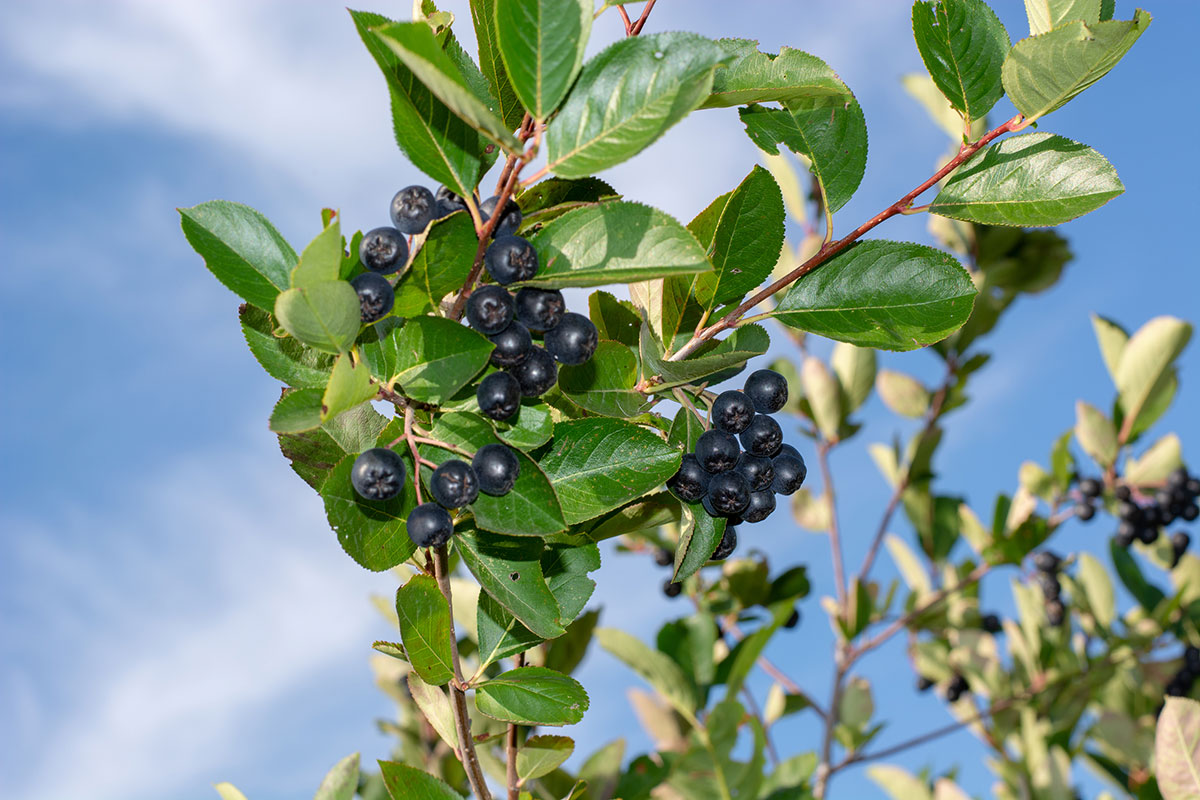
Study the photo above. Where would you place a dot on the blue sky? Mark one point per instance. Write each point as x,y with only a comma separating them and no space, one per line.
174,610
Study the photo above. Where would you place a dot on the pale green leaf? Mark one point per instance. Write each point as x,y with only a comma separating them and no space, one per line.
349,385
1046,15
1146,358
902,393
823,394
1177,749
341,782
755,77
1112,339
541,755
325,316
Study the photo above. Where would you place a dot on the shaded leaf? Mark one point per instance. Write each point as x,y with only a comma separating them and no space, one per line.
1177,749
699,535
755,77
431,358
541,755
604,384
371,532
656,668
408,783
283,357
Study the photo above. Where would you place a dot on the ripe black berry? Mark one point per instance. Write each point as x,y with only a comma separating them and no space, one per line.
1148,535
729,493
1192,487
429,525
1178,477
383,250
1051,588
759,472
510,259
512,345
378,474
1085,511
1090,487
537,374
761,506
497,468
489,309
1180,542
1125,538
1123,493
1056,612
664,557
690,483
499,395
448,202
991,623
924,684
957,688
1047,561
1190,512
510,217
793,620
717,451
413,208
540,309
375,296
732,411
454,484
790,473
1191,658
727,545
573,339
767,389
763,436
671,589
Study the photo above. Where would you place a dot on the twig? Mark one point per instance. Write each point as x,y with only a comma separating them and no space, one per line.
514,792
682,397
641,22
824,768
835,539
412,446
443,445
829,251
775,672
754,709
485,237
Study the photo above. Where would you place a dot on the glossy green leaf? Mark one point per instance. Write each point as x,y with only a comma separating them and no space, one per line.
322,258
530,429
1030,180
541,755
532,696
616,242
685,430
616,320
963,45
741,345
604,384
430,358
284,358
483,17
371,532
409,783
655,667
425,628
1177,749
435,139
542,44
755,77
440,267
325,316
341,782
699,535
1046,15
297,411
500,634
241,249
597,465
349,385
888,295
510,570
628,96
1044,72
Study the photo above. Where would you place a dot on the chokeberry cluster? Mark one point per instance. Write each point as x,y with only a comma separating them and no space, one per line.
1182,681
1047,565
739,465
1176,500
957,687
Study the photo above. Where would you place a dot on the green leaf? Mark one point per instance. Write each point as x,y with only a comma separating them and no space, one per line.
483,16
902,393
597,465
439,267
1146,359
829,130
322,258
414,44
434,139
1027,181
530,509
425,628
325,316
615,242
656,668
241,249
1177,749
898,783
628,96
554,197
1044,72
615,319
699,535
604,384
297,411
1154,465
431,358
1095,433
1046,15
754,77
371,532
341,782
228,791
315,453
542,44
742,344
541,755
963,45
530,429
283,357
888,295
1147,594
566,652
746,242
746,654
408,783
823,394
685,430
500,634
1098,588
494,559
435,706
349,385
532,696
1112,339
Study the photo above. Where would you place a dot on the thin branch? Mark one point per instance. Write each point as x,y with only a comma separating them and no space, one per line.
829,251
757,712
514,791
682,398
835,539
625,19
641,22
412,446
824,768
443,445
775,672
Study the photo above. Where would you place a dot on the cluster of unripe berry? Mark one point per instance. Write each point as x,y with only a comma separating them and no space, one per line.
379,474
1047,565
735,483
1181,682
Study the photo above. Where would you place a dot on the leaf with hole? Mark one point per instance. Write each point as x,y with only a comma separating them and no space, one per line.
510,571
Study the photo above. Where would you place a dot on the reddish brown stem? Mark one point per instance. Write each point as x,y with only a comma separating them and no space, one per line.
485,238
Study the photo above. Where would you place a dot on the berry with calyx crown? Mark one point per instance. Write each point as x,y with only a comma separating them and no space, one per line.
690,483
378,474
454,484
510,259
762,437
383,250
767,389
717,451
497,468
375,296
489,309
573,340
499,395
413,208
537,374
732,411
540,309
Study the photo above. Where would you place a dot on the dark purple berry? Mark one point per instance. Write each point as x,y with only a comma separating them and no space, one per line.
540,309
1192,487
378,474
1178,477
1048,581
499,395
1047,561
690,483
510,217
1148,534
793,620
727,545
448,202
1090,487
413,208
759,472
489,309
1056,612
732,411
1190,512
1191,657
672,589
729,493
767,389
717,451
761,506
664,557
924,684
790,473
383,250
1180,541
497,468
991,623
454,484
429,525
375,296
512,345
1085,511
573,340
762,437
510,259
1123,493
537,374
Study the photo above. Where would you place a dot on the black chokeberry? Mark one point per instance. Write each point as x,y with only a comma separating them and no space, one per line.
1056,612
1085,511
663,557
573,339
540,309
727,545
924,684
690,483
497,468
1178,477
448,202
1176,688
759,472
537,374
1192,487
762,437
499,395
729,493
1191,658
1190,512
1048,581
1047,561
489,309
717,451
1148,534
383,250
378,474
413,208
732,411
510,259
1090,487
672,589
957,688
793,620
429,525
454,484
1130,512
790,473
991,623
1180,541
1125,538
512,345
761,506
767,389
375,296
1123,493
510,217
